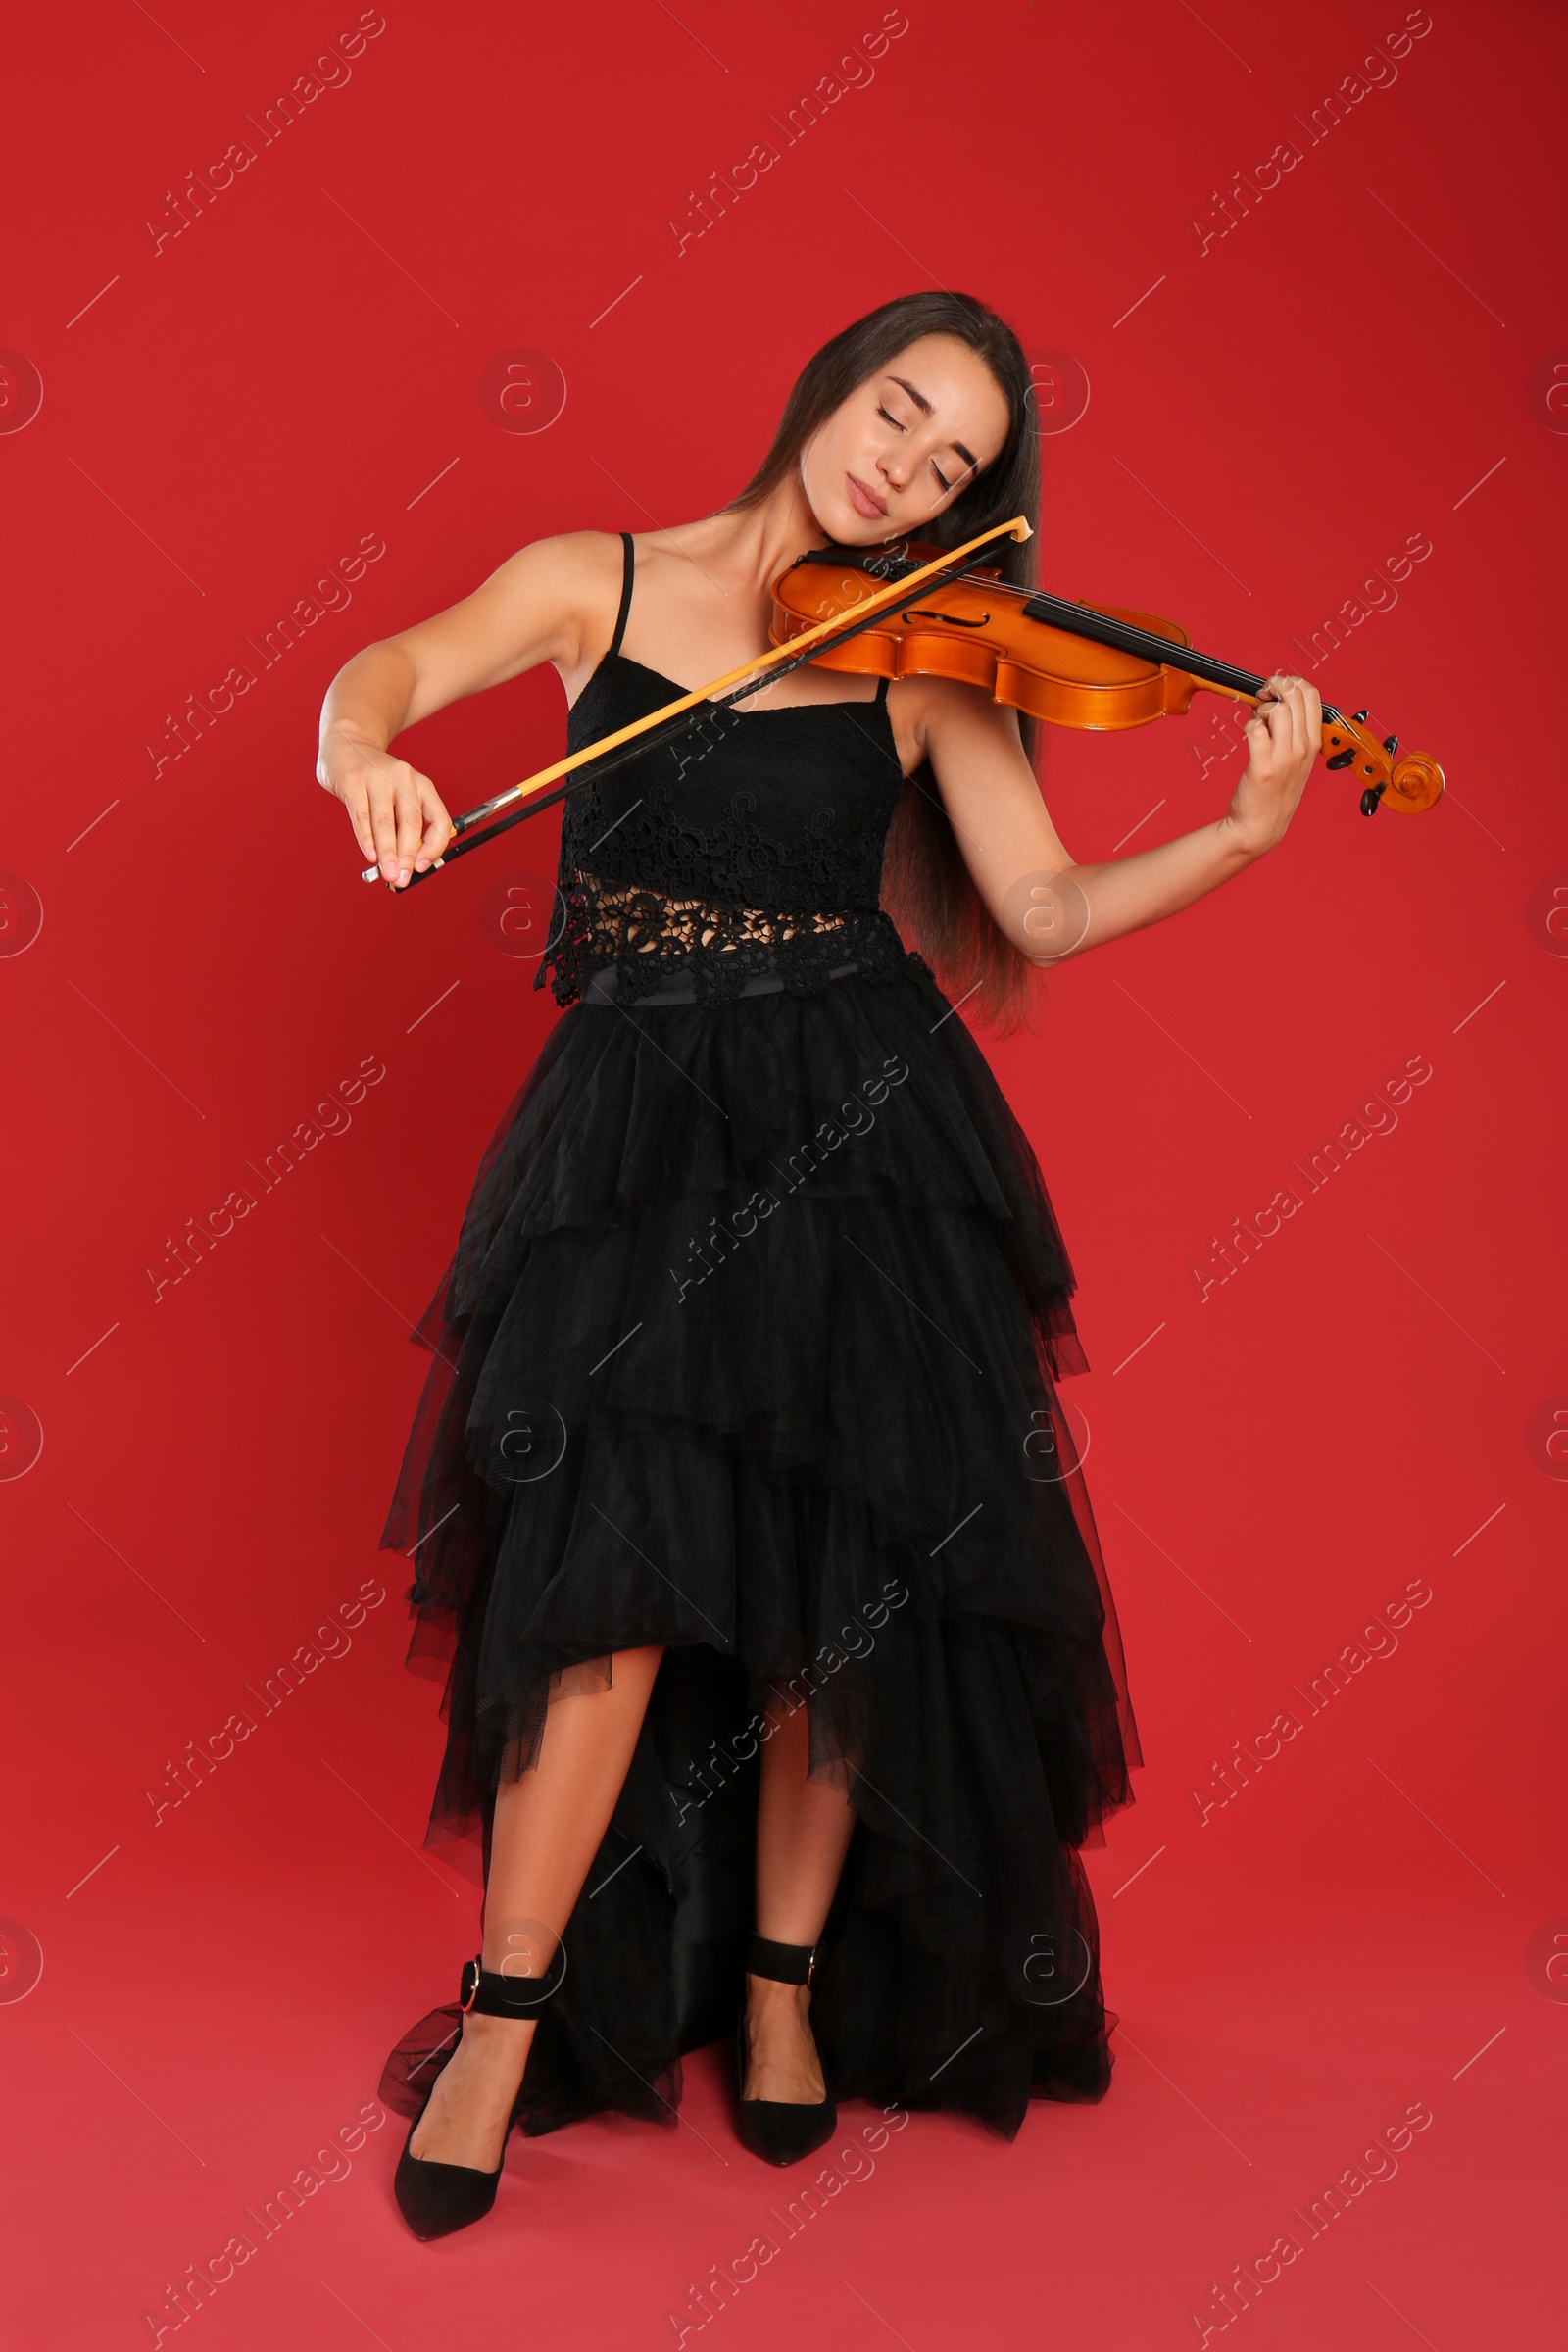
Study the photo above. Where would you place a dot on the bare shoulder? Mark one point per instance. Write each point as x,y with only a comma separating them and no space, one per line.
554,600
576,570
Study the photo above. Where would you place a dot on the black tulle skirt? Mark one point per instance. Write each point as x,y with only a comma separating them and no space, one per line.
750,1349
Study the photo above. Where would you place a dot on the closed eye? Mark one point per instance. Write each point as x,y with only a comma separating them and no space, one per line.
942,479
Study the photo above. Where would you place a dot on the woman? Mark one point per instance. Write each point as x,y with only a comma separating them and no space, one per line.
737,1498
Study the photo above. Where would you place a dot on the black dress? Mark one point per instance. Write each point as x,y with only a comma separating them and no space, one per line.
749,1348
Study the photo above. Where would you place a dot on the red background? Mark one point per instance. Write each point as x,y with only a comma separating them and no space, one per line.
222,419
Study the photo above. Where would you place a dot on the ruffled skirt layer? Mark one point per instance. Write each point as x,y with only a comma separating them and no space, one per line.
750,1349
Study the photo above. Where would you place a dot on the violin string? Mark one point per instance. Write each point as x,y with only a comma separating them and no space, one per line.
1080,620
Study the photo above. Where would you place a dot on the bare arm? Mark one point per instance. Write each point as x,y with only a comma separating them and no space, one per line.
544,603
1043,901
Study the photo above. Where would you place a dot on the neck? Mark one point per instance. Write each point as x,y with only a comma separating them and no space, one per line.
758,542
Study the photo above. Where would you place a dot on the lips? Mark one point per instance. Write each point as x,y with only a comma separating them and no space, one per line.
864,502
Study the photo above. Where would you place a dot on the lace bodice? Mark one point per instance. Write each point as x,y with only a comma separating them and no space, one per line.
751,848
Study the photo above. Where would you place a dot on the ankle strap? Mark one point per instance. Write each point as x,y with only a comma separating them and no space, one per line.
784,1962
491,1992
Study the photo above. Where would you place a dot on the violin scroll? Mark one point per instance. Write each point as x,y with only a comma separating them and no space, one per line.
1409,785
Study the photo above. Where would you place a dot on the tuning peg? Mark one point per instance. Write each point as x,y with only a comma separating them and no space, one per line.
1357,716
1341,759
1370,799
1391,744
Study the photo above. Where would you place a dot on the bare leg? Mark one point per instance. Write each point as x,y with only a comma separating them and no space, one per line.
549,1822
803,1834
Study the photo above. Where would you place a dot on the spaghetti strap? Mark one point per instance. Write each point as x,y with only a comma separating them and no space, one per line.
625,593
882,685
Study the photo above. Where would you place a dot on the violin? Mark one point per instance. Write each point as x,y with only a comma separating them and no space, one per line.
943,612
1097,666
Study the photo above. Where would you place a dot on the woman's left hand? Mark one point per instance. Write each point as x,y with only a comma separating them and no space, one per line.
1284,736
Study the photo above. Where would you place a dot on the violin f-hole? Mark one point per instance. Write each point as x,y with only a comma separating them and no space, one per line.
951,620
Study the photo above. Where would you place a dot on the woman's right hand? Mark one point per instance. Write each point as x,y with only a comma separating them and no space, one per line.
399,818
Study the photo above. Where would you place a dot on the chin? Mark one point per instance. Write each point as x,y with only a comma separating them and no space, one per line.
849,528
861,533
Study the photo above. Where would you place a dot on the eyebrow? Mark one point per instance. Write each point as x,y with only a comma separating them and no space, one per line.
924,406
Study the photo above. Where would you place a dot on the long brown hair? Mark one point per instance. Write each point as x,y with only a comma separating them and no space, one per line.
926,886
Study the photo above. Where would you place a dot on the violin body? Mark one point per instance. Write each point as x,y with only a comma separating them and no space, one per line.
975,633
982,631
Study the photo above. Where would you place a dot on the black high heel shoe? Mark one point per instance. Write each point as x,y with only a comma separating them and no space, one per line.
437,2198
780,2131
